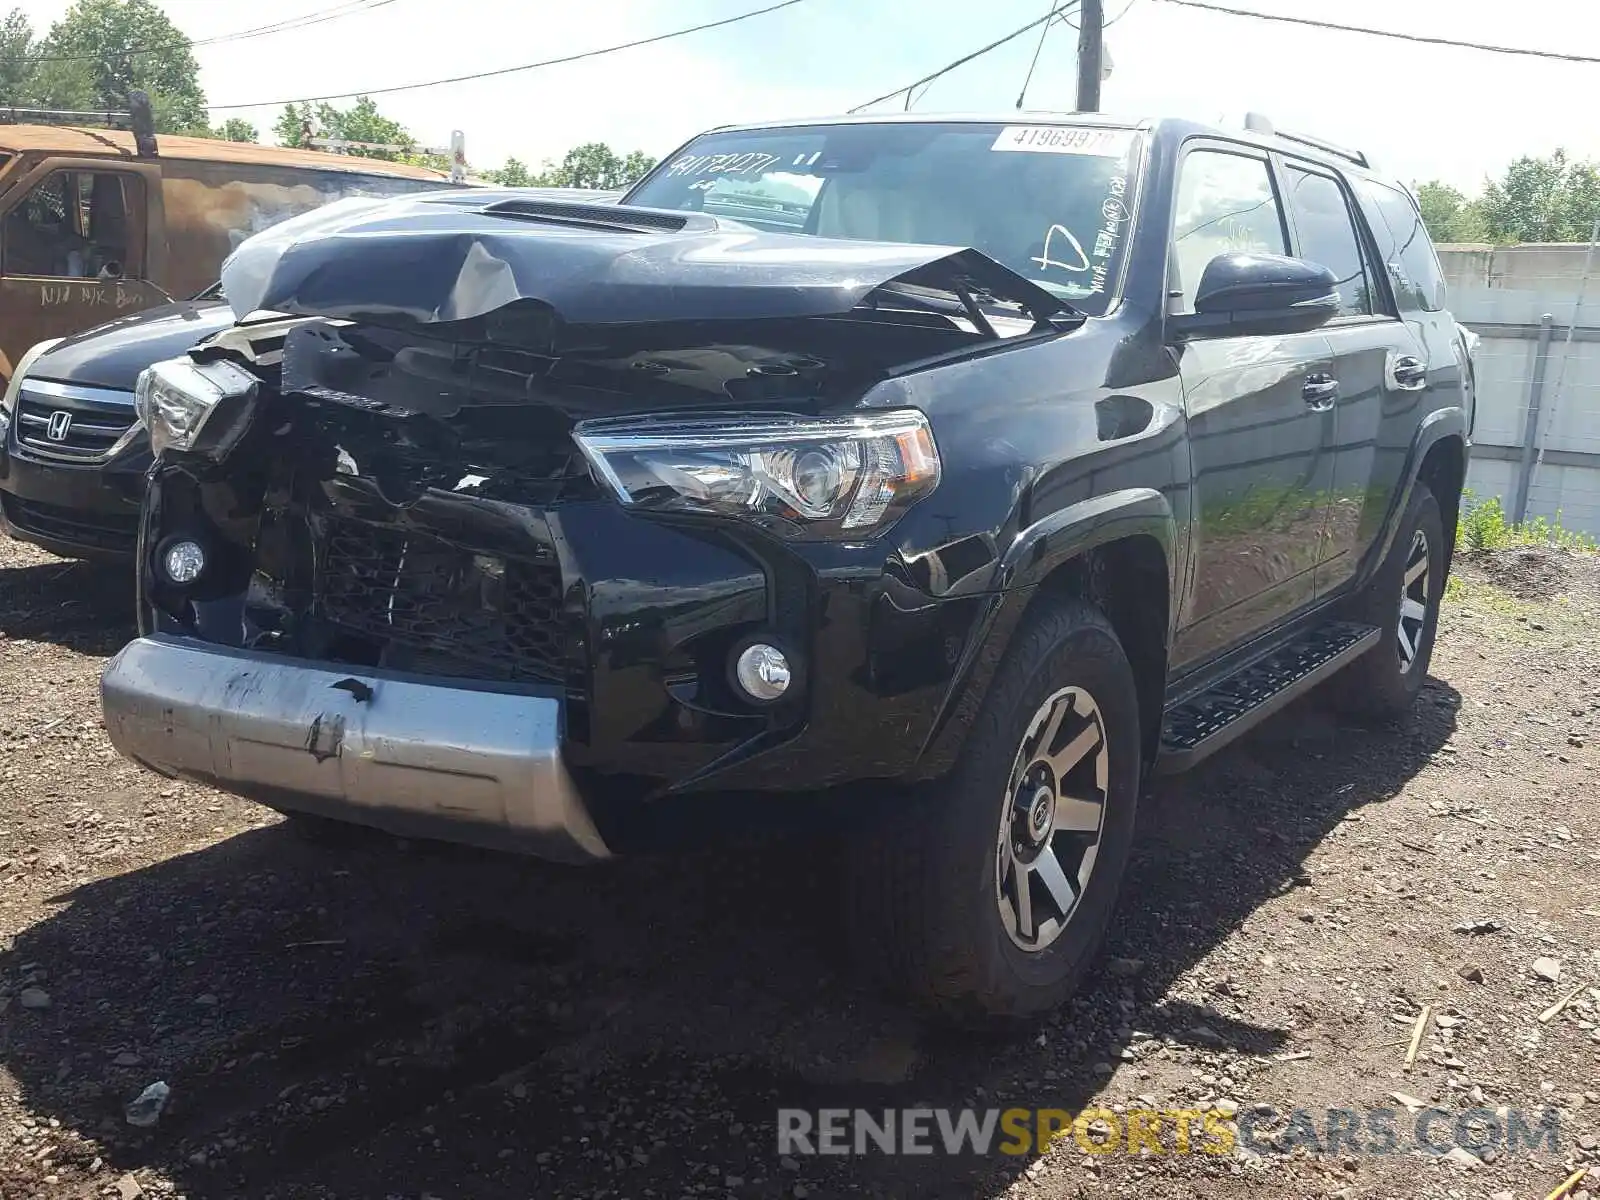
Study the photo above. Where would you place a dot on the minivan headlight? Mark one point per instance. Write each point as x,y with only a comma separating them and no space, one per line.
190,406
806,477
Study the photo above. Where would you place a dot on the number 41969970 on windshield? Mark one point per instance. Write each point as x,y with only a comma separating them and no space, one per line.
1054,139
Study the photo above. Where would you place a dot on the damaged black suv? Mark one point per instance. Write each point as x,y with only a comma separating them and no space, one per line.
940,479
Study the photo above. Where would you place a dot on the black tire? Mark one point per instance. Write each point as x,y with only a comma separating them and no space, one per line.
924,910
1379,685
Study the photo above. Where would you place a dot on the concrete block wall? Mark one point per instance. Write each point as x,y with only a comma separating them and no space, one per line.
1504,294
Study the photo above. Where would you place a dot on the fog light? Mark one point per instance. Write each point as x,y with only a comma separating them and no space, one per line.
762,671
183,561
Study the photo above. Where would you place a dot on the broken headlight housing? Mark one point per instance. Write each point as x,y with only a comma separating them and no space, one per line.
805,477
195,407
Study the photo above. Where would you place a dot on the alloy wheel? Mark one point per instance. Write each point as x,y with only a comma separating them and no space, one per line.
1413,602
1051,818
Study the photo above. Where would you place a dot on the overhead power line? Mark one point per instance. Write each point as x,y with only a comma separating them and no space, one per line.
1126,9
964,59
548,62
347,9
1425,39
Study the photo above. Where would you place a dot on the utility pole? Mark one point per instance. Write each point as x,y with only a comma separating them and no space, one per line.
1091,22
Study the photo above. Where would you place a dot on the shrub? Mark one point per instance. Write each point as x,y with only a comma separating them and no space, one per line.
1483,529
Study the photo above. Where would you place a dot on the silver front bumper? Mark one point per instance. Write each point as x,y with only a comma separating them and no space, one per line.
400,752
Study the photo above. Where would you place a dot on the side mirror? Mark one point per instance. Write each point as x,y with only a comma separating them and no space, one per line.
1243,294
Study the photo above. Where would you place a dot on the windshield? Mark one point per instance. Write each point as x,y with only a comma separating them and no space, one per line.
1050,201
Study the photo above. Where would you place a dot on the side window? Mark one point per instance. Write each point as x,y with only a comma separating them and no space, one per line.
1408,252
77,225
1326,235
1225,204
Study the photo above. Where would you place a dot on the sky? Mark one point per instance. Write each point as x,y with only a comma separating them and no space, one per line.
1421,111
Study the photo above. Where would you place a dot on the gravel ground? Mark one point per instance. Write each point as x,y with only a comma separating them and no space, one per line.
385,1019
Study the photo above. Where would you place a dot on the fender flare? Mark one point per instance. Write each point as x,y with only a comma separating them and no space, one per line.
1441,423
1070,531
1037,550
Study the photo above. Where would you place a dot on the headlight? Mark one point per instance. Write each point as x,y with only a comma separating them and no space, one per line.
8,404
799,476
194,406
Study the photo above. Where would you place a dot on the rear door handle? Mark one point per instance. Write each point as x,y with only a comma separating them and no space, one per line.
1408,373
1320,391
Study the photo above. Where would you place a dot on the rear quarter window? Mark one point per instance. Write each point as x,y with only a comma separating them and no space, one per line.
1404,245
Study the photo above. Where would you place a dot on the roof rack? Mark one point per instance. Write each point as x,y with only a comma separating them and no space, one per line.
1257,123
139,119
456,151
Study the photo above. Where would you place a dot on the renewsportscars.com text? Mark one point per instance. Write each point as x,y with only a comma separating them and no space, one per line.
1261,1130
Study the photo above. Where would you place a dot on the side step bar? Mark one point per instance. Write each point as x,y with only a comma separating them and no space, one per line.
1199,727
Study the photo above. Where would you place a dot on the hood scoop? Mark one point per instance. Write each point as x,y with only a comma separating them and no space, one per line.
598,216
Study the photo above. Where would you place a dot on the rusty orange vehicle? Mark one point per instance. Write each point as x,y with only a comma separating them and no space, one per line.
100,223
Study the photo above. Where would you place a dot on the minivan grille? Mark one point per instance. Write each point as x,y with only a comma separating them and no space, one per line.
71,422
500,616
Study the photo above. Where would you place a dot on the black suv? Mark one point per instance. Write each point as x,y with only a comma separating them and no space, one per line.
941,478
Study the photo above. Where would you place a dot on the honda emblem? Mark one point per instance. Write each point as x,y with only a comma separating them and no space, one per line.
60,425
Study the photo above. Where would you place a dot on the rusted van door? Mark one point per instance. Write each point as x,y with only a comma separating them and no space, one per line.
213,206
81,242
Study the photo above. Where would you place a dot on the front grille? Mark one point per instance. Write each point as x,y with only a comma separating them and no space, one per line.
71,422
112,532
499,617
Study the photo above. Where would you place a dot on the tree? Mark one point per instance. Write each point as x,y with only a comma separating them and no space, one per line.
361,122
16,57
1449,215
515,173
30,80
1549,199
296,126
635,167
128,44
596,165
237,129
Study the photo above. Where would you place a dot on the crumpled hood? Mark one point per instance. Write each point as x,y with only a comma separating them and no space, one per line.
451,256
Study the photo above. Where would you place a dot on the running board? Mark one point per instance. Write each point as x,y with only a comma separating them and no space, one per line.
1199,727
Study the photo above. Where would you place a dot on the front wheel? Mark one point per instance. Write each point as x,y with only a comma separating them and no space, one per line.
991,895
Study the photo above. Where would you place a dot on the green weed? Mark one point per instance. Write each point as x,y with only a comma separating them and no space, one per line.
1484,528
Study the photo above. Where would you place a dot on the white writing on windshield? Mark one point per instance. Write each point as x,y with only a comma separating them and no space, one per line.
751,162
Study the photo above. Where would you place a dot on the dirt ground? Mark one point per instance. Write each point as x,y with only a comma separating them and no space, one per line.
386,1019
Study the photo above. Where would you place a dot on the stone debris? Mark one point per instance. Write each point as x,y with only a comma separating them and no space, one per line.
145,1110
1464,1159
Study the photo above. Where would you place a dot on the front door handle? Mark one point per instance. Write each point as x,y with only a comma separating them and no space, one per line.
1320,391
1408,373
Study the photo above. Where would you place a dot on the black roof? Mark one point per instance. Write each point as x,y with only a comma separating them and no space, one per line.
1177,127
